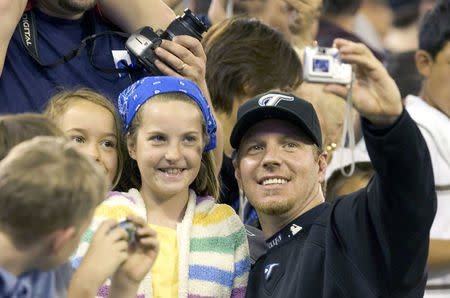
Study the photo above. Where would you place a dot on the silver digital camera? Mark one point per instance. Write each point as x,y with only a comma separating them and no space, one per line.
323,65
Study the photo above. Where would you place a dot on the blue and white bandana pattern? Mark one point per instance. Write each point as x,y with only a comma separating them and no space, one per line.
132,98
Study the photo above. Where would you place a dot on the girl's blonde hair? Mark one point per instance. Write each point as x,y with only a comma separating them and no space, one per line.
60,102
206,182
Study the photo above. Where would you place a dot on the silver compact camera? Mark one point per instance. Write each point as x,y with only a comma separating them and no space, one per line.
323,65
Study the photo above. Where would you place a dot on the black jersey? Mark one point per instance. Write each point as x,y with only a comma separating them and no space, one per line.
372,243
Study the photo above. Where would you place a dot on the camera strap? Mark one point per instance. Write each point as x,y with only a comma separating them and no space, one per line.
348,133
29,36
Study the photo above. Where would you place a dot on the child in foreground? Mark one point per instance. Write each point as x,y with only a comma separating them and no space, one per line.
48,192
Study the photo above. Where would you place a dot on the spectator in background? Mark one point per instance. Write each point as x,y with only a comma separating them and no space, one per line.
15,129
303,21
373,21
269,12
402,44
431,111
338,184
338,20
60,26
91,121
244,58
48,192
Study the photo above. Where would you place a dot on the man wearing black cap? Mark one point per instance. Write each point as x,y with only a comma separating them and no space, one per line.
372,243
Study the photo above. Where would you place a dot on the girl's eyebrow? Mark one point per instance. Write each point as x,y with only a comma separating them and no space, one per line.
84,131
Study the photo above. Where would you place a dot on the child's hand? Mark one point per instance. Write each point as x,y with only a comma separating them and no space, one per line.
107,251
141,256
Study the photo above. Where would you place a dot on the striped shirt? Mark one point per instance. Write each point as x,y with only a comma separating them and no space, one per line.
213,250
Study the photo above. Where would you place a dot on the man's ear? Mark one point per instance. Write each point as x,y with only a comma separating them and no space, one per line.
131,146
322,162
424,62
237,173
61,237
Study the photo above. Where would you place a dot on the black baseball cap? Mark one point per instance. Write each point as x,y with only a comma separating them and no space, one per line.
277,105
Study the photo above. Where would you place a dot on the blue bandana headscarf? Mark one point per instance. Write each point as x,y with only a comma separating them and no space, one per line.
132,98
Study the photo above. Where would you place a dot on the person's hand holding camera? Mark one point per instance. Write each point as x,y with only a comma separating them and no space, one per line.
375,94
183,57
107,251
141,256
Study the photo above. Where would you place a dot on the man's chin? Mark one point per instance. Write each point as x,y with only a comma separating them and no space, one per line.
272,209
77,6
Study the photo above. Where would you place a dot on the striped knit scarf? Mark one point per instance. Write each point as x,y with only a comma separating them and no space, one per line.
213,251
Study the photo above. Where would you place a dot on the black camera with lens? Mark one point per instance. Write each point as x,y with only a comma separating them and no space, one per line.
144,41
130,228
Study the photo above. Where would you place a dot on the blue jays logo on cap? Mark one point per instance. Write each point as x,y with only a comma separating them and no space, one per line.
268,270
132,98
272,99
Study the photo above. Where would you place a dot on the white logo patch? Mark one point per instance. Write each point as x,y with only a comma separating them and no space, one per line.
268,270
295,229
118,56
273,99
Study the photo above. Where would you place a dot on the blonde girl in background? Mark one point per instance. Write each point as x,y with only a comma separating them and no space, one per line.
91,120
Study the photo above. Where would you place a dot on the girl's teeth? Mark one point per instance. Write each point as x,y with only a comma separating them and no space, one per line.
173,171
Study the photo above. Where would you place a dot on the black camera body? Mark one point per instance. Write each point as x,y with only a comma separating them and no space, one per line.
143,42
130,227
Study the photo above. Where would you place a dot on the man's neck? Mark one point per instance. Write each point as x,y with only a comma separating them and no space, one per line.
51,8
271,224
16,261
428,98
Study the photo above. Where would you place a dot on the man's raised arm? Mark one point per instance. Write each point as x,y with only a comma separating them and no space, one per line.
10,13
131,15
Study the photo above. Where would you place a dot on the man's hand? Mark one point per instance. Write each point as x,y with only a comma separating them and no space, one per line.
375,94
183,57
141,256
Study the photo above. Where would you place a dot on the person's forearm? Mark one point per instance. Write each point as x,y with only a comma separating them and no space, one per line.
133,14
10,13
122,287
172,3
82,285
439,256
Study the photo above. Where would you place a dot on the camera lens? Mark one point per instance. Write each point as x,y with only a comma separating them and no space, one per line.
187,24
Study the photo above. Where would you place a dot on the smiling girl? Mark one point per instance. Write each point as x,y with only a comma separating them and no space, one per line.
90,120
170,132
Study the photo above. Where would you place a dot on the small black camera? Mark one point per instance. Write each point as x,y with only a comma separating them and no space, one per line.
144,41
130,227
